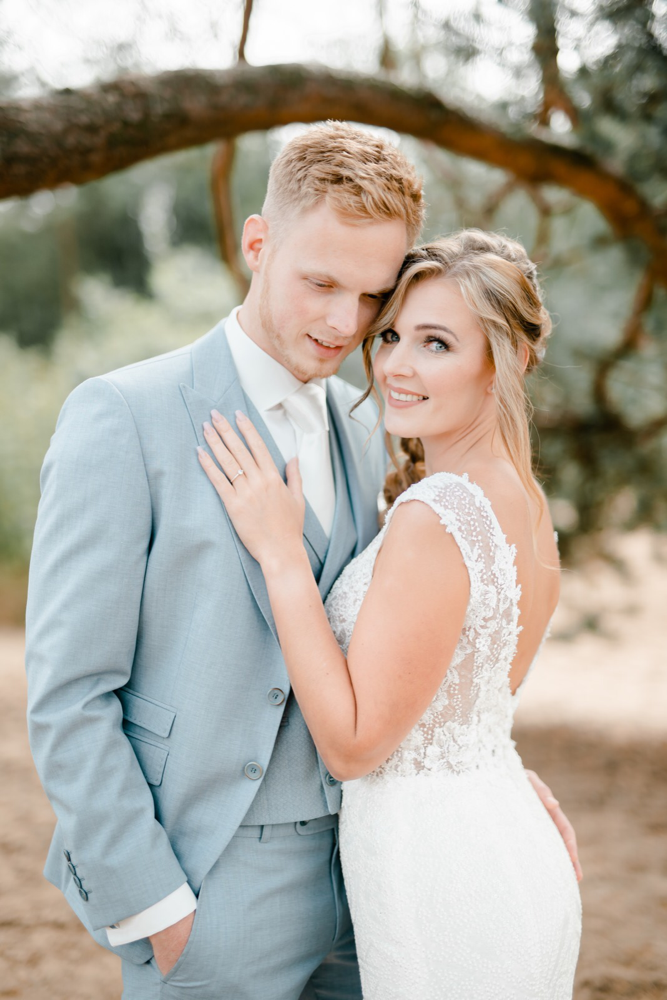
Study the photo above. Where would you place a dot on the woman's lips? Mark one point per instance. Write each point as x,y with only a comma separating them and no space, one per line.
400,399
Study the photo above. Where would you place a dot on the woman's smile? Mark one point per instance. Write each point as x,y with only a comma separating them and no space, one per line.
401,398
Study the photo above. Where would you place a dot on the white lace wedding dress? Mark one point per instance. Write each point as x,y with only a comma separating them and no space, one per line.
460,886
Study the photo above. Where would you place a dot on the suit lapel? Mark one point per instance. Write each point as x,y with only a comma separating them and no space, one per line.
362,488
343,531
216,386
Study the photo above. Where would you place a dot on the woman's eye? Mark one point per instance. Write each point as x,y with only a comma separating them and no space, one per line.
318,284
389,337
438,346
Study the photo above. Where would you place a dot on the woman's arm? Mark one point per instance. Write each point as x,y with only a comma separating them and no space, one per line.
358,709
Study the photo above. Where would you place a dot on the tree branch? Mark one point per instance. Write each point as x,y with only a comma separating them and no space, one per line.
222,164
247,14
545,49
633,331
78,136
221,173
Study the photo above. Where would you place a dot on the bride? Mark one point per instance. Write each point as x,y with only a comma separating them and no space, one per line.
460,887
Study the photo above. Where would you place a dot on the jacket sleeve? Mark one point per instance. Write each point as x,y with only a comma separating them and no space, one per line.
86,578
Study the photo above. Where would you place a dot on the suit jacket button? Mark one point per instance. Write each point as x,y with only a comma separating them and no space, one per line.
71,867
330,780
84,895
276,696
253,770
68,856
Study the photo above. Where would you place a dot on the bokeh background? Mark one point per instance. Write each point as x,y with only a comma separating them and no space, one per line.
143,260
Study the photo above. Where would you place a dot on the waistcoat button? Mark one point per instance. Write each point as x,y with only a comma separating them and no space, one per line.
330,780
253,770
276,696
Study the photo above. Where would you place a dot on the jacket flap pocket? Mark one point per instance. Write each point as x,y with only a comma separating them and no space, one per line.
152,758
145,712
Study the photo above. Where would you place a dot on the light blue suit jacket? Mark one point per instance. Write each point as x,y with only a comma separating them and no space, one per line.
151,646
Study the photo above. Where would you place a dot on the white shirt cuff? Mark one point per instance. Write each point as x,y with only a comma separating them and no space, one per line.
160,915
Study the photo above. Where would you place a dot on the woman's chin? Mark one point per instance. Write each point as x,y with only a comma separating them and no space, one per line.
401,428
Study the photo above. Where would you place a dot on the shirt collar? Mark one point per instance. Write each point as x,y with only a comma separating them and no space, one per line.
263,379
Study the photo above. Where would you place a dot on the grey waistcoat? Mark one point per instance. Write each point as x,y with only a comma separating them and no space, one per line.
296,787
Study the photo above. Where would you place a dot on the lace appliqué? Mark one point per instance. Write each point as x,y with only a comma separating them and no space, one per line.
469,721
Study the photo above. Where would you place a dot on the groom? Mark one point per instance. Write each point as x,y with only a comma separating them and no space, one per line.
197,832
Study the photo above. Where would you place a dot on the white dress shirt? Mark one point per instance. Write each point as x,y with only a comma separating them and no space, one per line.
267,384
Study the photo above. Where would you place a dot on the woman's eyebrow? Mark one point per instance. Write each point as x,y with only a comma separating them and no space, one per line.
436,326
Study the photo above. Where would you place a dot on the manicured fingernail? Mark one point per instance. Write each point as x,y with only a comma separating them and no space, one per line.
218,416
240,416
207,427
552,802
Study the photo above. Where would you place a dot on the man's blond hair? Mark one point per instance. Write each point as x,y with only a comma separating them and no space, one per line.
358,174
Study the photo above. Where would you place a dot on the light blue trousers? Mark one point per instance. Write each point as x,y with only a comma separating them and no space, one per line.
272,923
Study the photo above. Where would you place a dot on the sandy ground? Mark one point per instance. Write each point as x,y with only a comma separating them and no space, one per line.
592,722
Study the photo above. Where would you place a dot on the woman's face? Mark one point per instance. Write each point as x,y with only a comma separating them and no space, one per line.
432,367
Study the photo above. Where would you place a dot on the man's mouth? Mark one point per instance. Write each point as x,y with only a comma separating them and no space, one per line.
324,343
326,348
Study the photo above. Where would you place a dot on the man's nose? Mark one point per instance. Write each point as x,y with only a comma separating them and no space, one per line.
344,318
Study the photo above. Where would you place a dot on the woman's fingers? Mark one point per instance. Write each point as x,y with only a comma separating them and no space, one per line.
222,486
260,452
227,461
242,457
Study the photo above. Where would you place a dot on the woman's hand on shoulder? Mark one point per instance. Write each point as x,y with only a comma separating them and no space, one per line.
266,513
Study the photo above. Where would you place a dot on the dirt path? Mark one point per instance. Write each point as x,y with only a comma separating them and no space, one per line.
593,722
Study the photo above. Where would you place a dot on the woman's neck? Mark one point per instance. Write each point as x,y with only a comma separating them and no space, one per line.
458,452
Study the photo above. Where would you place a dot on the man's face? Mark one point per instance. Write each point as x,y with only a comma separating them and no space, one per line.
320,287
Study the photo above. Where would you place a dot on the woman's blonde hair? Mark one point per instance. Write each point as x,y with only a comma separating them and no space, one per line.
499,284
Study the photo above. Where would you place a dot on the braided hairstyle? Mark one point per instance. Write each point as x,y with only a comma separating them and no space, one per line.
499,284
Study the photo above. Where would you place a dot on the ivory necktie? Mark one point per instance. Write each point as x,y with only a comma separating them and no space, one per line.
306,409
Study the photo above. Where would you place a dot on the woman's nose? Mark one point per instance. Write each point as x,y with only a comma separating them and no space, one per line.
397,362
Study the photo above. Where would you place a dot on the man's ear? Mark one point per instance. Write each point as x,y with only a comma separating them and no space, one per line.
255,239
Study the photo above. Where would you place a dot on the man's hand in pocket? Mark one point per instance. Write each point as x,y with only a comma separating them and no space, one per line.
169,944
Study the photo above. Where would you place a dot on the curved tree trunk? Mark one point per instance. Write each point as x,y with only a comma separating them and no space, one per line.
79,135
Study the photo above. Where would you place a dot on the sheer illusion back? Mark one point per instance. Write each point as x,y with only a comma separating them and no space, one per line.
471,715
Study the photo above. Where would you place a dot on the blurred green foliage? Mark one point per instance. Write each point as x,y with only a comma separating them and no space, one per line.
111,327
